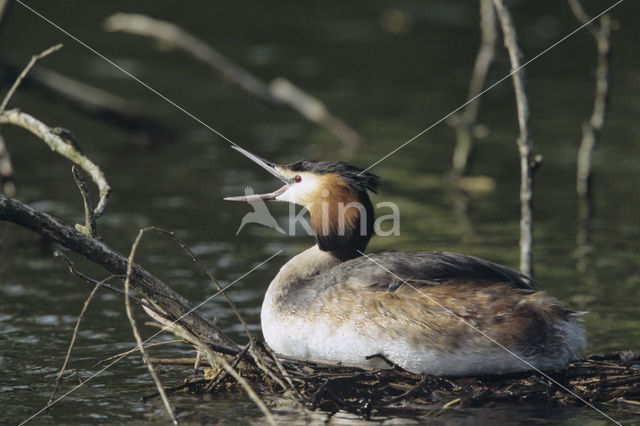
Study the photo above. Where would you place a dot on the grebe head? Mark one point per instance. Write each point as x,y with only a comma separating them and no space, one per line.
334,193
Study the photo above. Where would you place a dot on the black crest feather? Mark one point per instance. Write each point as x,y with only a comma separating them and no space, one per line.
355,177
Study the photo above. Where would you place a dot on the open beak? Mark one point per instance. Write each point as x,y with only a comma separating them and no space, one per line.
268,166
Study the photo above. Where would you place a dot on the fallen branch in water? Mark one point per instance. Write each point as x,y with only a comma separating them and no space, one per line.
174,307
151,287
167,307
88,99
279,93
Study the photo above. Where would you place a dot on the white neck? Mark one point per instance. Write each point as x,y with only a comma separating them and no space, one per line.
287,288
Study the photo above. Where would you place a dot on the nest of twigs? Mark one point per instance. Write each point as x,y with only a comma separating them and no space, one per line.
332,388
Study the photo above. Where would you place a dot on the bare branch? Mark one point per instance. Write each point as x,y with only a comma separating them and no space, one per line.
256,355
89,227
102,283
528,162
314,110
32,62
219,377
466,119
7,186
196,364
136,333
92,100
130,351
203,267
282,370
170,35
155,290
41,130
214,359
3,9
74,336
58,144
280,93
580,14
591,129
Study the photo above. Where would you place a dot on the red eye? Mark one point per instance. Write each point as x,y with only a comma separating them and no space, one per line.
298,178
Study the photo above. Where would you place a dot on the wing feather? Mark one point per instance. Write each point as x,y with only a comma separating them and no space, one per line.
382,269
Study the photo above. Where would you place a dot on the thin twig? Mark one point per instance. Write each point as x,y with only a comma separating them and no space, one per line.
259,361
177,361
89,228
102,283
280,92
3,10
25,71
7,186
88,99
125,353
465,121
175,305
592,129
241,380
528,162
180,330
173,389
213,358
409,392
255,354
73,338
219,377
136,333
283,370
55,140
582,16
196,364
60,145
203,267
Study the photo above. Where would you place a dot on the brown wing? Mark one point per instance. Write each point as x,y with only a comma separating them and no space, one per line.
451,317
389,269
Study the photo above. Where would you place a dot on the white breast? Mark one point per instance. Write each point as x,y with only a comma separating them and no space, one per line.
321,339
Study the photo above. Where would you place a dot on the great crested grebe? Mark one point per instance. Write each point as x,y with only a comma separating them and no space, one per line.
435,313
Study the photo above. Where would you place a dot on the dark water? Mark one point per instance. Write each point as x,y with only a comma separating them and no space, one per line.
389,86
